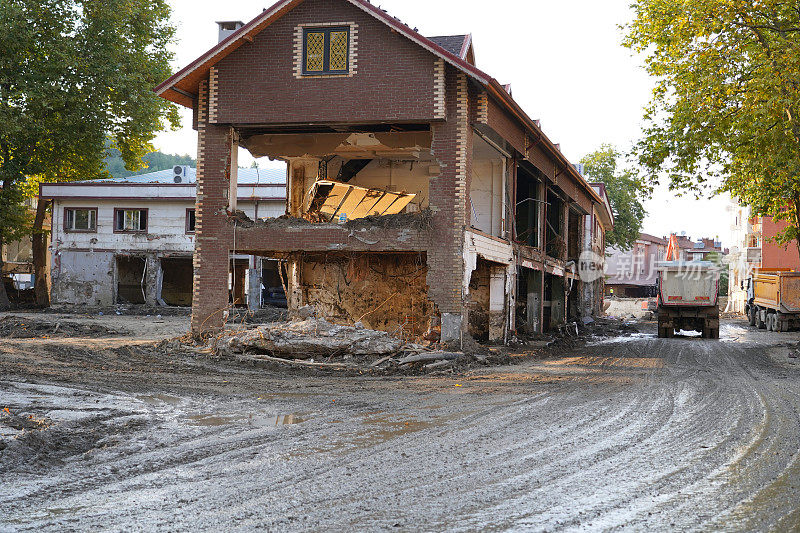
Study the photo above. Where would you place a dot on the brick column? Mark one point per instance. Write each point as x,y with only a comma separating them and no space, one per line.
452,147
213,234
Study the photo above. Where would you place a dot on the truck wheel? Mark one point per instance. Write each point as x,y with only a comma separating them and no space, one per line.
760,316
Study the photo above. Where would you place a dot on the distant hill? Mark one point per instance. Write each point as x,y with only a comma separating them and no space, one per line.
154,161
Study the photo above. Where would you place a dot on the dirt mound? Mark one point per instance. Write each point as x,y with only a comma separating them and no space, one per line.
19,328
311,337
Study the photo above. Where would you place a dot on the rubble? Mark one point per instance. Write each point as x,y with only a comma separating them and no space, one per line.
309,338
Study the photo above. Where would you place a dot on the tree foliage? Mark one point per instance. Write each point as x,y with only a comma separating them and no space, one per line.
625,191
73,74
151,162
724,112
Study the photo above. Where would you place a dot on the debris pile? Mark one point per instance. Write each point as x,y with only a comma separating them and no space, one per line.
310,342
309,338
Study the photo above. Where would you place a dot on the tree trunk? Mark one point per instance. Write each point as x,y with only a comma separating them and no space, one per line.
40,256
5,305
797,220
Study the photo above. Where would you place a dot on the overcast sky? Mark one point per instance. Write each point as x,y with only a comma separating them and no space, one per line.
563,59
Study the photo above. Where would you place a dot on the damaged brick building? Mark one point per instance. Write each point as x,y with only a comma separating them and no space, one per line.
420,197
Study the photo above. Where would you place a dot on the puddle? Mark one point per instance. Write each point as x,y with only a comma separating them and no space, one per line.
255,420
158,399
272,395
617,340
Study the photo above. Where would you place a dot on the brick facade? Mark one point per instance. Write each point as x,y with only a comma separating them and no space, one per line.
212,232
259,88
393,81
452,147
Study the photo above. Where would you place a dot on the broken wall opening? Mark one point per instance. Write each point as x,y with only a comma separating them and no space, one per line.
130,279
486,303
573,236
488,188
554,301
273,293
237,281
573,303
387,163
383,291
555,243
176,282
528,208
478,301
529,300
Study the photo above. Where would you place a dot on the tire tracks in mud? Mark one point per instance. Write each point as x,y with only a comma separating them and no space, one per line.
642,434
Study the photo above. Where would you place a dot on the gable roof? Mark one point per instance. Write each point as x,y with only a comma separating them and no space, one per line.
458,45
181,86
652,238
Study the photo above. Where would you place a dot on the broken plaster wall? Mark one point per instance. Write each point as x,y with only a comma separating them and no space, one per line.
478,301
83,278
486,195
383,291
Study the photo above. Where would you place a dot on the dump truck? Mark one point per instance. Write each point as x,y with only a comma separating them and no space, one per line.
688,298
773,300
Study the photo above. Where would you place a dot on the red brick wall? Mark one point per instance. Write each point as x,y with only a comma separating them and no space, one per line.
774,255
393,81
452,147
506,126
212,232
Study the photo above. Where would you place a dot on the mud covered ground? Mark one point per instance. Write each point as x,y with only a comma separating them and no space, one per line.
631,432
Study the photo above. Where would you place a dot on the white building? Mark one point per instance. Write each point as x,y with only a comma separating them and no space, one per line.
131,240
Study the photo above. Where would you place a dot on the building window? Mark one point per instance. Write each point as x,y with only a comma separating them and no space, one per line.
326,50
190,220
78,219
130,220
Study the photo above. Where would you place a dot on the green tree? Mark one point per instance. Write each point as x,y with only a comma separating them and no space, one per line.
724,112
625,191
74,73
724,272
151,162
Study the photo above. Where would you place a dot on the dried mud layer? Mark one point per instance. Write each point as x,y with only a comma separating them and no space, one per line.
21,328
604,433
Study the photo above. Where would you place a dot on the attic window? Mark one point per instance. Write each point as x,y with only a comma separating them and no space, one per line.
326,50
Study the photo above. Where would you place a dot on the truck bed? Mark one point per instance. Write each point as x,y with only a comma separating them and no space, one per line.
777,290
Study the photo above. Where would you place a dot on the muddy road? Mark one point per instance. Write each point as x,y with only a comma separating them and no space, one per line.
615,433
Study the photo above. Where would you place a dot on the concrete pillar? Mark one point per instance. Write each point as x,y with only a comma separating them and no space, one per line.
254,289
294,298
497,303
152,280
213,234
452,148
